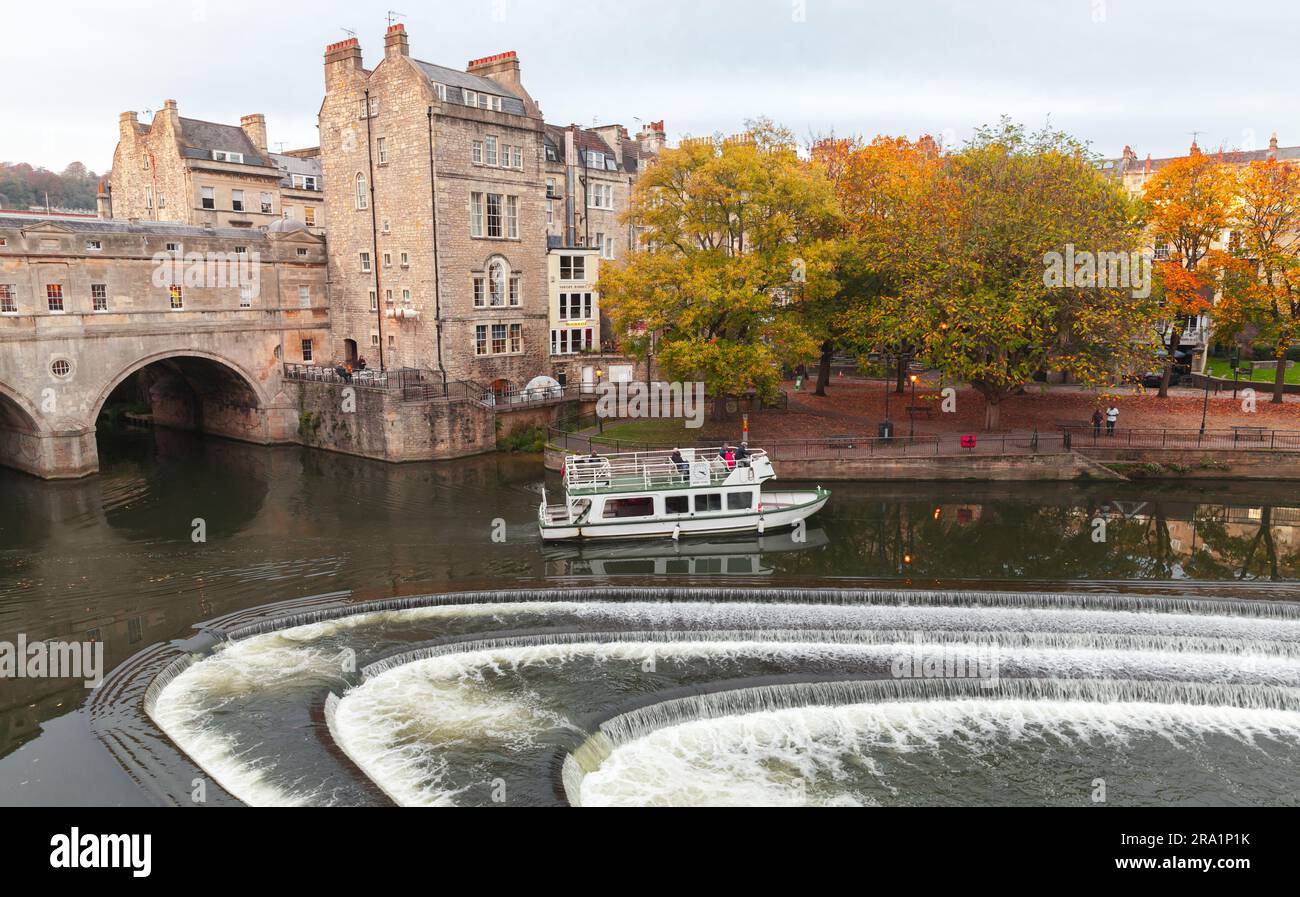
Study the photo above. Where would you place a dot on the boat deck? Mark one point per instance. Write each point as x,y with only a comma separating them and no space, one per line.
652,471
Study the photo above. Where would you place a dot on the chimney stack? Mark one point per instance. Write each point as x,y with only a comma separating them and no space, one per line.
343,54
128,125
652,137
503,68
255,127
396,42
104,199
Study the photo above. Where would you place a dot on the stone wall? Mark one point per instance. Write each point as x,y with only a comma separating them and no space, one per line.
381,425
1202,464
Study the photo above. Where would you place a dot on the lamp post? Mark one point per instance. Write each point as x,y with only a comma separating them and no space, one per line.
911,411
1205,406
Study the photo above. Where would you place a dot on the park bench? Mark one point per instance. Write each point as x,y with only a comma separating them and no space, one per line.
927,410
1248,434
843,440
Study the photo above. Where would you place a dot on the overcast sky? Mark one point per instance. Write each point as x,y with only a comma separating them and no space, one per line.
1113,72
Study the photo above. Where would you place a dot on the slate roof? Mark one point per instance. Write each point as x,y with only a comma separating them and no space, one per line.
585,140
291,165
1282,154
457,82
200,138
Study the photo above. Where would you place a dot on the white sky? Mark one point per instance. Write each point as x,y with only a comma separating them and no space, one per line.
1114,72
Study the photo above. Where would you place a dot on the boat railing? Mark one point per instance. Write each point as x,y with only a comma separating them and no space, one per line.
631,471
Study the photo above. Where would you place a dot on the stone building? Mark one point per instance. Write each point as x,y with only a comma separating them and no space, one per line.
207,174
448,191
589,178
437,240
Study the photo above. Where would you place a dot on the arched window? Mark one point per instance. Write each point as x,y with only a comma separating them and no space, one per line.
363,201
497,282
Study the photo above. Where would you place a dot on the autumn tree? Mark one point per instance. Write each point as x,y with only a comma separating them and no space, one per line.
738,240
1260,277
1189,203
973,293
879,186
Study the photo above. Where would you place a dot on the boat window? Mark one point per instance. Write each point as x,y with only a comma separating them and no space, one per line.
738,501
740,565
677,504
710,501
643,506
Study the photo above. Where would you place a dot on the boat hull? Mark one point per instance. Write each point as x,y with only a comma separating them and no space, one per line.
780,509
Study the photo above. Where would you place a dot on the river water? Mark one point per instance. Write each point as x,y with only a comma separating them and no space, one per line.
1140,635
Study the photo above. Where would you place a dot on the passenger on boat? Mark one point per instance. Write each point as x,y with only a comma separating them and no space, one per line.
742,455
729,456
680,463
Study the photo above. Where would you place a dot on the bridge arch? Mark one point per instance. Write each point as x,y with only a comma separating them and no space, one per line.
192,389
22,432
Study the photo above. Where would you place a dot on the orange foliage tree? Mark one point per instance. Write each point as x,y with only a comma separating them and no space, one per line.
1260,277
1189,203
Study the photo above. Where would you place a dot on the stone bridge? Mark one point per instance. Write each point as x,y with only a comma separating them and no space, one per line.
203,319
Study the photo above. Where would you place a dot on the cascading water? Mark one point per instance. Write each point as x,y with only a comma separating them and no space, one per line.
672,696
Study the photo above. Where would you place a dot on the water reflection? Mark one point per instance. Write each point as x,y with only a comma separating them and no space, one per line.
1219,532
754,556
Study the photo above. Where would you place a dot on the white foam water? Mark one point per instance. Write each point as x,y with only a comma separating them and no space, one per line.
830,755
190,710
400,723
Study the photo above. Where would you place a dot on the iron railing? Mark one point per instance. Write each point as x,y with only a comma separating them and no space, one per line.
1239,438
571,436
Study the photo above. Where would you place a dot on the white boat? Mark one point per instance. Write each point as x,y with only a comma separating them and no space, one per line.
637,495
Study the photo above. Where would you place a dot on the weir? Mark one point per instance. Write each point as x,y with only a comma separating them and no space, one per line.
456,686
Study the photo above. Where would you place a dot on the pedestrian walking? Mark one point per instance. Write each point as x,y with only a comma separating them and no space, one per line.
1096,422
1112,415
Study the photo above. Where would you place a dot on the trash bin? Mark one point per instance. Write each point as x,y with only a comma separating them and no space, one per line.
885,430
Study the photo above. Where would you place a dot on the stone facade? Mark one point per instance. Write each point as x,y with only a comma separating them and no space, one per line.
202,173
407,308
86,303
410,143
589,179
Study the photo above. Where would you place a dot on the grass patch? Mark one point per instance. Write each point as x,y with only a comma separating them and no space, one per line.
1219,368
662,430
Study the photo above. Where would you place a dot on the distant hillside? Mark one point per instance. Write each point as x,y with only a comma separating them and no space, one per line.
22,186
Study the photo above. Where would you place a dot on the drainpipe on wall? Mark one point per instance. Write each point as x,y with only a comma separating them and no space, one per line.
374,234
437,299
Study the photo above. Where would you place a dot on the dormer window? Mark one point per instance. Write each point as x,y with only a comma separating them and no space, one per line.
227,156
305,182
442,90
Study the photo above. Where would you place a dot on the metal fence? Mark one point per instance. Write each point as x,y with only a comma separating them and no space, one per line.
1240,438
369,378
569,436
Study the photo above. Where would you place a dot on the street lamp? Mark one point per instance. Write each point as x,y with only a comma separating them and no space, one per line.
1205,406
911,411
